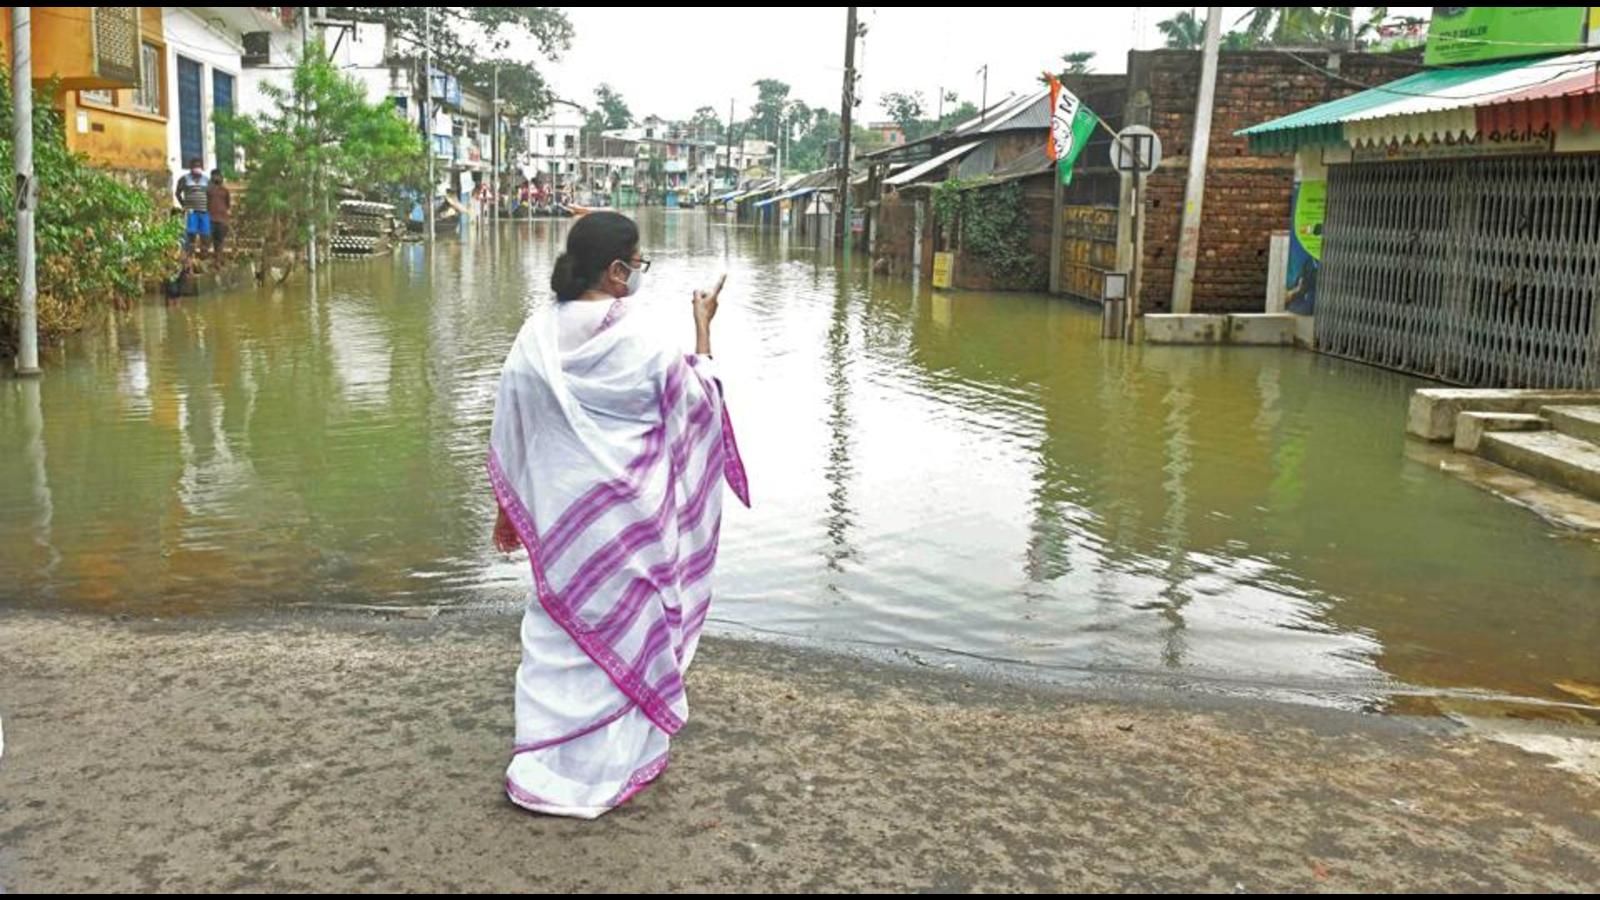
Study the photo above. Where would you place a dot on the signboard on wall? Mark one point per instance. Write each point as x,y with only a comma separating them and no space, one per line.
1088,249
1305,246
942,263
1469,34
1514,143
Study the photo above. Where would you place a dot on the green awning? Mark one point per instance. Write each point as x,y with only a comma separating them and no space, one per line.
1428,92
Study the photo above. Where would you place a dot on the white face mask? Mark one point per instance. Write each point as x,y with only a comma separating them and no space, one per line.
635,279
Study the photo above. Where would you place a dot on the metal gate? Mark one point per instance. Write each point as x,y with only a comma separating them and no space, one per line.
1480,272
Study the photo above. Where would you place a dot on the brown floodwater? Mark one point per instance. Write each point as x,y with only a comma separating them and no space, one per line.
953,477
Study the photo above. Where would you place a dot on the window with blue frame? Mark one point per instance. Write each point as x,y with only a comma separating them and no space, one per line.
191,120
444,87
222,88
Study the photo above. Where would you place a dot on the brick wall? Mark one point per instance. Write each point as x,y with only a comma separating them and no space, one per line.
1247,197
972,274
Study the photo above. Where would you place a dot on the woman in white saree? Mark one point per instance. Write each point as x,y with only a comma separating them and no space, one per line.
607,458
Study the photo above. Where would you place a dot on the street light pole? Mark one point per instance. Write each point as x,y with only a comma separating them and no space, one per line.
494,151
427,117
1194,194
305,110
27,190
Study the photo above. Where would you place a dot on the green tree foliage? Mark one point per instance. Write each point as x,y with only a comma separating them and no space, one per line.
99,241
317,138
473,42
767,113
1078,62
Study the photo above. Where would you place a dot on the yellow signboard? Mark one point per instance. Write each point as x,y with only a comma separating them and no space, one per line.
942,264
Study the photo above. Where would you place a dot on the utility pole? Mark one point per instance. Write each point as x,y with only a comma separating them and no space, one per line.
305,110
494,147
842,227
427,119
27,190
733,173
1058,192
983,108
1136,288
1199,148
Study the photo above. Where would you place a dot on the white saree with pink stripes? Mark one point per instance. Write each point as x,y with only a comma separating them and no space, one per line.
608,454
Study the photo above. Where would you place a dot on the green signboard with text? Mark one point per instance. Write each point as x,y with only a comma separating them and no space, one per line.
1468,34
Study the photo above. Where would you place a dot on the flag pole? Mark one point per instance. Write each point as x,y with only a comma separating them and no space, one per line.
1058,193
1058,199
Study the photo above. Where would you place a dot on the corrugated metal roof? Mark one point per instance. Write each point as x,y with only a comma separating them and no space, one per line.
1022,111
943,159
765,186
1034,162
1031,163
1030,110
801,192
1430,105
1584,80
979,162
822,179
988,114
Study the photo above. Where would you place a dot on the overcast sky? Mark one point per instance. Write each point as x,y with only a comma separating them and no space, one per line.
672,60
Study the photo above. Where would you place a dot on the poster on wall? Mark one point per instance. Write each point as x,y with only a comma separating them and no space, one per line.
1305,246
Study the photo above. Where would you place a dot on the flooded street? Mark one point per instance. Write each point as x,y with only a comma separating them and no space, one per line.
942,476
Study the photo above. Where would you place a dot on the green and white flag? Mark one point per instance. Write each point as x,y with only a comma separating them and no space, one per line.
1071,123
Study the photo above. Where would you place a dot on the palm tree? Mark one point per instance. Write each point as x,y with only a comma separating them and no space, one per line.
1079,62
1314,25
1287,24
1237,40
1183,31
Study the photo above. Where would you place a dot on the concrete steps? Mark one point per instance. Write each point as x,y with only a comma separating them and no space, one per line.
1581,422
1434,411
1472,426
1550,456
1551,437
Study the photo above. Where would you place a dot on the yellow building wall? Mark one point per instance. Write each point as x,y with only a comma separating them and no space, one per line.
116,136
